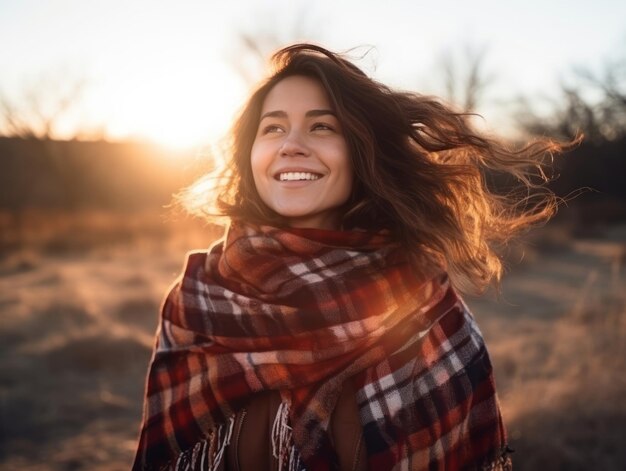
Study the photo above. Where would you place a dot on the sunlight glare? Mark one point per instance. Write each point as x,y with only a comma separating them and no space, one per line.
182,104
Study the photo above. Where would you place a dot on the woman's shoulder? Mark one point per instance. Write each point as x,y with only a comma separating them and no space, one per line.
194,259
197,261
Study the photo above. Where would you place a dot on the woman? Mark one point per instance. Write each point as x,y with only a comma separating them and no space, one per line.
325,330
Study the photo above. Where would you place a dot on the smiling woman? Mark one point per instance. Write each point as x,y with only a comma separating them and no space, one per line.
299,158
325,330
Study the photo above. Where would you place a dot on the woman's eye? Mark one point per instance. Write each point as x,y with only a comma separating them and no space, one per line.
323,127
271,128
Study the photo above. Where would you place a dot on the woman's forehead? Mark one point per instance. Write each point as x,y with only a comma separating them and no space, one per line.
296,93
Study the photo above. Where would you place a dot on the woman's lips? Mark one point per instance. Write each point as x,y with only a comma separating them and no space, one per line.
297,175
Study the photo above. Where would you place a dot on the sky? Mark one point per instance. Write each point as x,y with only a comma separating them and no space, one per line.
170,71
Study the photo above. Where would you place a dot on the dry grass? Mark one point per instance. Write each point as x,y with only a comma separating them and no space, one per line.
78,308
62,232
560,370
563,389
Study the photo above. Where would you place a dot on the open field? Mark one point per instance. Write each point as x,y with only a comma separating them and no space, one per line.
79,299
557,338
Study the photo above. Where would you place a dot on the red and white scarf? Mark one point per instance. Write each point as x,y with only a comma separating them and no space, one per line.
300,311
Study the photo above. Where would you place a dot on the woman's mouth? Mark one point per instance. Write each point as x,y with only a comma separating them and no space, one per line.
297,176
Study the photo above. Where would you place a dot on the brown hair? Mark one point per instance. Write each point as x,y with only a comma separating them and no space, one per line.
421,171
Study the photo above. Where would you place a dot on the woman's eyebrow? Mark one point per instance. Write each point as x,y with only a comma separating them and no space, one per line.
308,114
315,113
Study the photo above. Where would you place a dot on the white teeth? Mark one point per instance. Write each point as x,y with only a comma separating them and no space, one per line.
291,176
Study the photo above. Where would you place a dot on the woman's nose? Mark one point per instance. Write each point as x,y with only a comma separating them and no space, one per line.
293,145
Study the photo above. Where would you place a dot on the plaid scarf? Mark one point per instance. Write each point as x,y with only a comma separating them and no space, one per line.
301,311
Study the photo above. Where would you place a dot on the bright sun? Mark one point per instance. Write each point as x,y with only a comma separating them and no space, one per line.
179,106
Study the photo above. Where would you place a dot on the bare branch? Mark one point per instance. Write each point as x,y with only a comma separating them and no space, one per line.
464,77
594,105
252,47
40,107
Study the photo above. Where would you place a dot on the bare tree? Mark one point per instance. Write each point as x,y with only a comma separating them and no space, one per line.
40,106
464,77
14,123
592,104
252,46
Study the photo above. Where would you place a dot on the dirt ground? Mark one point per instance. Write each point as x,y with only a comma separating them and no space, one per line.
77,323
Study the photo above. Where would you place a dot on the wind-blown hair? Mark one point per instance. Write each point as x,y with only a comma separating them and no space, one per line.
421,171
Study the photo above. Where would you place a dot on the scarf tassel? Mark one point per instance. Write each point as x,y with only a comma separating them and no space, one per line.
206,455
283,448
502,462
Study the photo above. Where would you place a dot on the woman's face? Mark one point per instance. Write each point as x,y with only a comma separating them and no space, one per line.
299,157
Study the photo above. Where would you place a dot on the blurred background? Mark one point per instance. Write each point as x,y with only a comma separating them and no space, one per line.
109,108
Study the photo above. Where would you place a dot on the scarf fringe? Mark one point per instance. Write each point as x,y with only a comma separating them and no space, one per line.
502,462
206,454
283,447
